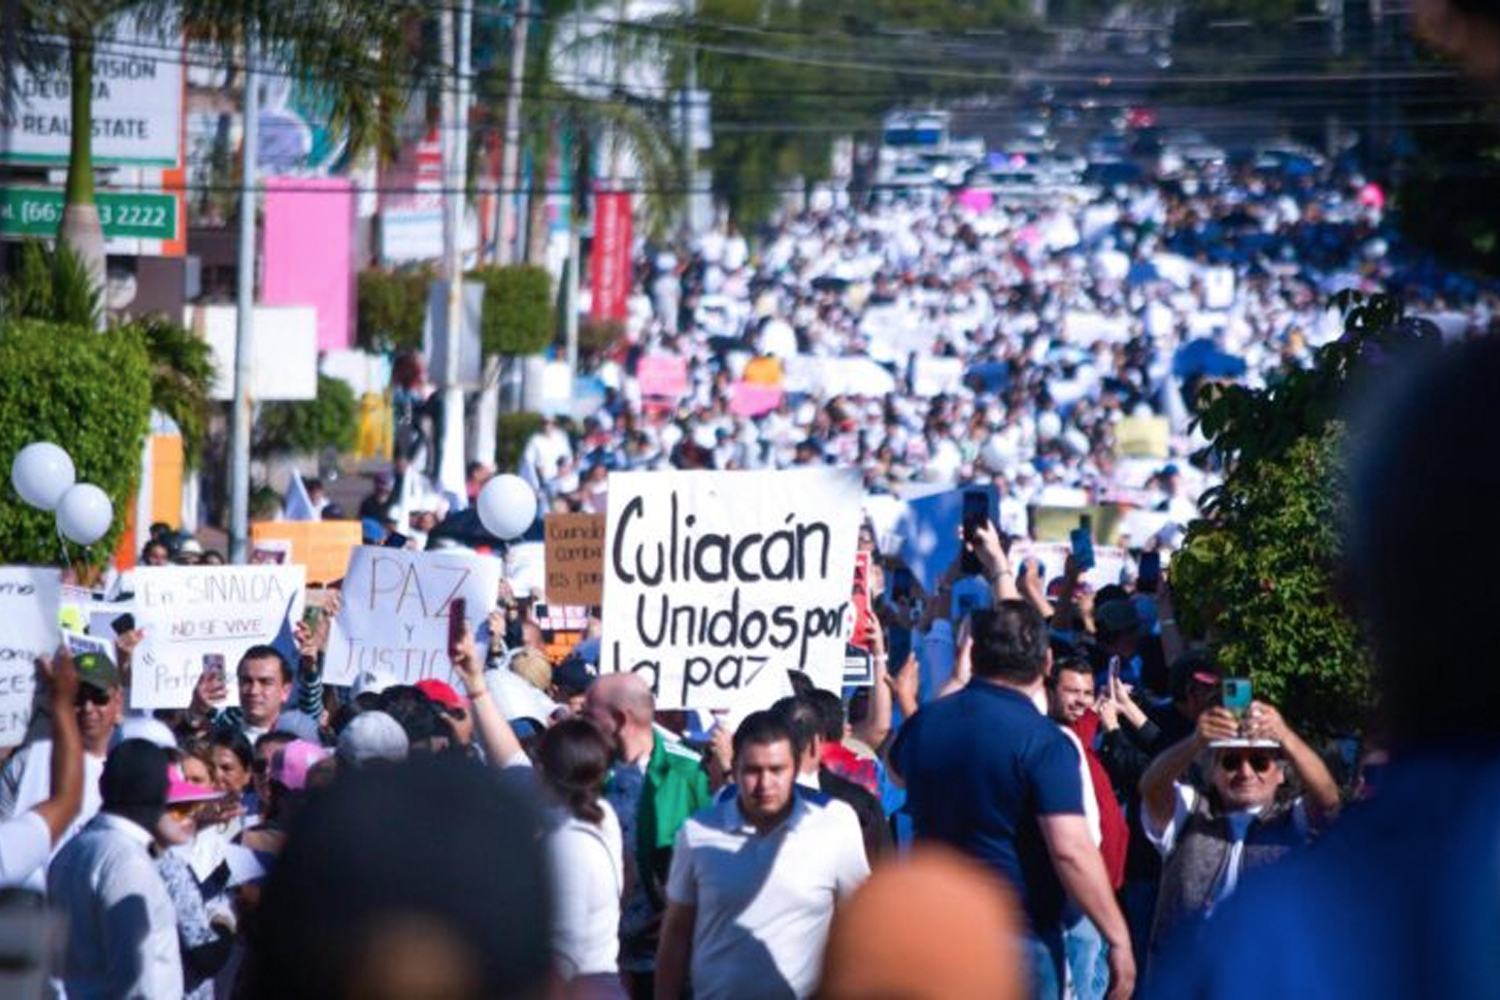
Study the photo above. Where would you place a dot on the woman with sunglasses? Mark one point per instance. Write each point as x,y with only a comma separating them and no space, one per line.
1248,817
204,936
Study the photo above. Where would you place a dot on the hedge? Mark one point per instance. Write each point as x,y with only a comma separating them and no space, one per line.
330,420
392,306
512,431
518,316
87,392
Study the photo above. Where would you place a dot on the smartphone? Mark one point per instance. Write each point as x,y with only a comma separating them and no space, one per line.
124,623
1082,540
456,609
213,663
1235,695
311,615
1114,671
976,514
1149,576
396,540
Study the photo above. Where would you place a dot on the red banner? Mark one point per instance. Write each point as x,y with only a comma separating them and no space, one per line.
610,260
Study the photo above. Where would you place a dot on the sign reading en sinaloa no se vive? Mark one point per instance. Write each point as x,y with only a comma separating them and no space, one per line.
137,102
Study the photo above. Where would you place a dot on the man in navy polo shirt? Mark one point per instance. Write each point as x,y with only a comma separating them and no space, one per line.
988,773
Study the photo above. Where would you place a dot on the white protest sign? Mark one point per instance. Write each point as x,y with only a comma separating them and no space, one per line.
137,101
187,612
393,612
28,608
715,583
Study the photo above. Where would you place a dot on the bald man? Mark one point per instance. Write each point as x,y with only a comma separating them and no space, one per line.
656,784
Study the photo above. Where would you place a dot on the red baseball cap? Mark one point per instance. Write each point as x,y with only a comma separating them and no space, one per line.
441,693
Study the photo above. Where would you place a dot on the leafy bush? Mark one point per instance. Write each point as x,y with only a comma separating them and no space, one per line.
512,431
52,285
597,336
330,420
518,316
89,393
182,375
1258,573
392,306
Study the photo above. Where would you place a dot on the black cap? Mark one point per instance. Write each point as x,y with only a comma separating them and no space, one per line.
135,779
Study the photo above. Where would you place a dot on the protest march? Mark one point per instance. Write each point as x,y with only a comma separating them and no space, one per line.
911,604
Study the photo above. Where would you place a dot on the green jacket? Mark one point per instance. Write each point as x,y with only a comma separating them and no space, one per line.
676,787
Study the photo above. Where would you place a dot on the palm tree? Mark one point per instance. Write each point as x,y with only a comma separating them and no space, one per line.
357,49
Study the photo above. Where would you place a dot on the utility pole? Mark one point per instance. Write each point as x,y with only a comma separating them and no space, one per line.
244,406
455,52
689,140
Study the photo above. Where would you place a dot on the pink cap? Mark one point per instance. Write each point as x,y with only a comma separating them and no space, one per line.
290,764
179,789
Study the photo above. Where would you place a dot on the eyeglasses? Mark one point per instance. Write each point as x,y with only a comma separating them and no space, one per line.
1260,763
90,696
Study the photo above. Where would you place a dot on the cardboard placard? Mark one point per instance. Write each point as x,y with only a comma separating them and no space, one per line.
29,602
189,611
393,612
1142,437
575,558
716,583
322,546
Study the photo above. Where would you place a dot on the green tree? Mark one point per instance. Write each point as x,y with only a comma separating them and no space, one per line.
392,306
64,383
1258,573
331,420
518,316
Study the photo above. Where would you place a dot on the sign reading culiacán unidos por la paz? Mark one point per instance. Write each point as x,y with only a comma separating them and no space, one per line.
715,582
137,101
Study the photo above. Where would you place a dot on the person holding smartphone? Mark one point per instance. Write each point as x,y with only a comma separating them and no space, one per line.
1246,820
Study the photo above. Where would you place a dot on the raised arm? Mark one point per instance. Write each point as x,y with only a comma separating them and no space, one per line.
59,811
1322,792
499,740
1158,784
876,725
997,569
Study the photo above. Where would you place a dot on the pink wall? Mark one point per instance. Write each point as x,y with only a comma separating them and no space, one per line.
308,247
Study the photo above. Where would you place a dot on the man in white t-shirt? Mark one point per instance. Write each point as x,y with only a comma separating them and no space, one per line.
28,837
26,781
755,879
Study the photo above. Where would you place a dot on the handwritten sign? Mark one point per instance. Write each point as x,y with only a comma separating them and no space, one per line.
393,612
29,602
664,375
715,583
189,611
575,559
322,546
1110,562
1142,437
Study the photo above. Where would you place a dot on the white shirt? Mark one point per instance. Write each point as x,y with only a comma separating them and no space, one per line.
588,876
26,782
25,844
764,901
1165,839
120,925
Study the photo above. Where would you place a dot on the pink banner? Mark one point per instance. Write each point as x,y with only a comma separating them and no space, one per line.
308,248
746,399
662,375
609,261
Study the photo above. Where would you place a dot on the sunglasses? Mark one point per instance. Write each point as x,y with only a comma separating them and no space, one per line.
1260,763
183,808
90,696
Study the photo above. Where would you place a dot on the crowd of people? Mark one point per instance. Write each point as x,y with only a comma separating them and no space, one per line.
1054,793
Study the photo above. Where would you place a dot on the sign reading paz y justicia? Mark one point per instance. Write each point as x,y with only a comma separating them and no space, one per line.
189,612
716,582
393,612
29,598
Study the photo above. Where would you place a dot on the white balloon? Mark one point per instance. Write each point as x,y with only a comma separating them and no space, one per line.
41,473
507,507
84,514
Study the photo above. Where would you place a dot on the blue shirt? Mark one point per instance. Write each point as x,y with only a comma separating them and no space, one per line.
980,766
